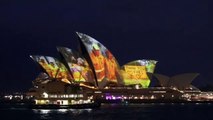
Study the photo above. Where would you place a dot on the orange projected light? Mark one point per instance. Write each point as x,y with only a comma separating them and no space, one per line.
104,63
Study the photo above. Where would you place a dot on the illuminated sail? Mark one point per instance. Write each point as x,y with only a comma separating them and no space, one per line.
135,72
53,67
78,65
105,65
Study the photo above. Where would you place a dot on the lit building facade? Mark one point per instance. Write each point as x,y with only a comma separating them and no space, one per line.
96,65
93,73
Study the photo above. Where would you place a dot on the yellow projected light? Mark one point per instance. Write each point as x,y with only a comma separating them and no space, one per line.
135,75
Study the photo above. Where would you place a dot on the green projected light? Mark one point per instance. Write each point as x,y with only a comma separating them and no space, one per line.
135,72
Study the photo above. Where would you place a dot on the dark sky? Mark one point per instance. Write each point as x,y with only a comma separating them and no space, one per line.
173,32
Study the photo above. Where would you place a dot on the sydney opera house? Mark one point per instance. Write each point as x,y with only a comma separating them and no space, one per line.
93,74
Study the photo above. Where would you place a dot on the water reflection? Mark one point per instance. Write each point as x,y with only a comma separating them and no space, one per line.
79,111
125,112
140,111
41,111
61,111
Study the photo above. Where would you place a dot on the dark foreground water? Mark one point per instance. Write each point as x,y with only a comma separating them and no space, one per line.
115,112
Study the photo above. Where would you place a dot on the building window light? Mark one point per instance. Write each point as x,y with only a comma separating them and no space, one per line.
135,97
45,95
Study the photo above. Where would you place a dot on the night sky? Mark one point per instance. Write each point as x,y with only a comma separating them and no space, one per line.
173,32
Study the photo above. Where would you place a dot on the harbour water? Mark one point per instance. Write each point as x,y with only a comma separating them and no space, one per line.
155,111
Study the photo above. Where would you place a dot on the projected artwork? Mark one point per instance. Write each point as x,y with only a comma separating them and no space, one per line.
104,63
149,64
78,65
94,65
53,67
136,72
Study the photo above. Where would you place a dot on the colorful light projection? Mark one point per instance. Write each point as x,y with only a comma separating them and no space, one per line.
78,65
135,72
105,65
53,67
149,64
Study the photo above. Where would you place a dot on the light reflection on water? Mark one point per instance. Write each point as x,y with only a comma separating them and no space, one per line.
124,112
47,111
64,113
42,111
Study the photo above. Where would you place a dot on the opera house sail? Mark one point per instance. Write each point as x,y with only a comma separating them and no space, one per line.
135,72
181,81
54,68
105,65
95,65
93,73
77,65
